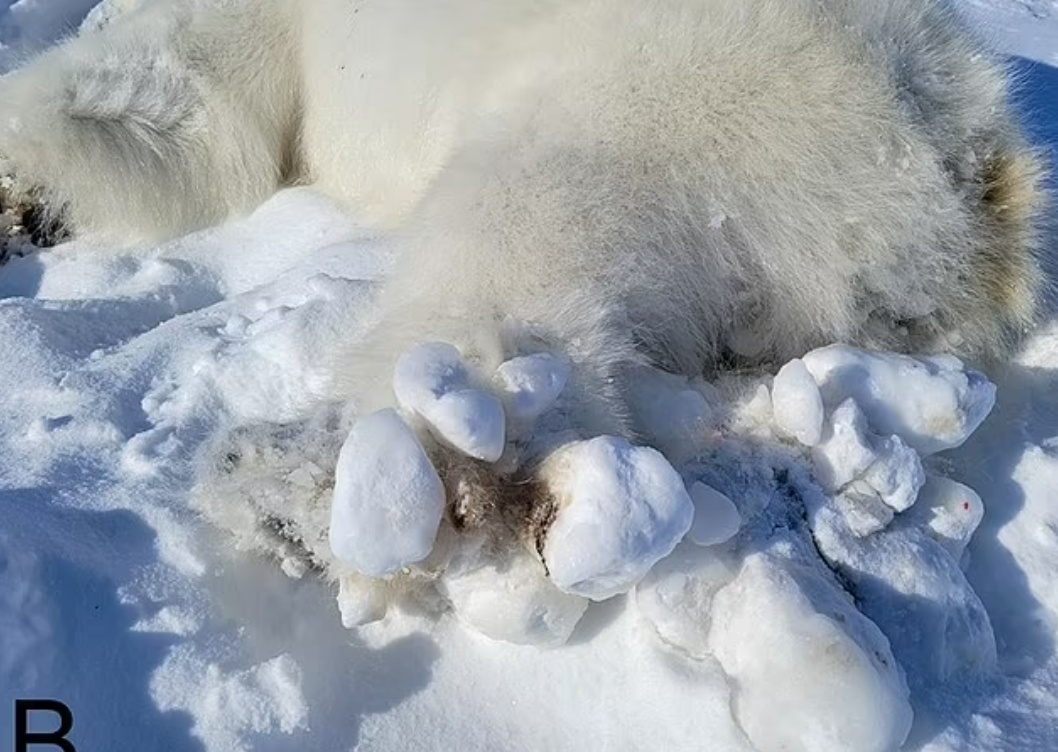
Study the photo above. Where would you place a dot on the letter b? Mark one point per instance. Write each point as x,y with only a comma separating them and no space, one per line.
24,738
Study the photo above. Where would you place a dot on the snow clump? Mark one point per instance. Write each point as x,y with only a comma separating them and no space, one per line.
621,508
388,500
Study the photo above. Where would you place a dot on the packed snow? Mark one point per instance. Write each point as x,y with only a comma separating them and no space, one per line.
859,552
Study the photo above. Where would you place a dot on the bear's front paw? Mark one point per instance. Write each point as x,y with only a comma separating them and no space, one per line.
593,514
27,222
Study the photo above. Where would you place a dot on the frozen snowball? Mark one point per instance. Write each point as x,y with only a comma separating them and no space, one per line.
811,673
388,500
513,602
432,381
676,596
797,405
470,420
716,518
845,452
950,512
426,372
532,383
897,474
621,508
931,403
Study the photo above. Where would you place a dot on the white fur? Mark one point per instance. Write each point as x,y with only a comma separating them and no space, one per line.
672,181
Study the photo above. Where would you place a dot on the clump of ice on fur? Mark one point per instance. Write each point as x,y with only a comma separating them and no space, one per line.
621,508
897,474
844,453
862,509
388,500
932,403
848,451
432,381
797,405
950,512
532,383
512,600
716,518
811,672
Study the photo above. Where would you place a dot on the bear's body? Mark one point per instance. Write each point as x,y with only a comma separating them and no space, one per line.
676,182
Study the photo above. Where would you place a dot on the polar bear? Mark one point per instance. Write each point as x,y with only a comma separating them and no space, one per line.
687,184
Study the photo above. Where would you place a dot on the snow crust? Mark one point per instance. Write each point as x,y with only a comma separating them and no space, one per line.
512,600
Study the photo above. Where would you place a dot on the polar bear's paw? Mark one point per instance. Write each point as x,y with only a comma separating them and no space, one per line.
895,532
460,461
846,580
26,221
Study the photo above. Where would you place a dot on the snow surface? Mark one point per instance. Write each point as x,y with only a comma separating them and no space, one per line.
840,603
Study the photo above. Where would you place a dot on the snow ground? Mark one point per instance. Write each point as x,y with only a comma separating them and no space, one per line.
119,600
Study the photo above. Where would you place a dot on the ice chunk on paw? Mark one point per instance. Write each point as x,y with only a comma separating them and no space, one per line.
897,474
716,518
619,509
512,600
950,512
914,591
426,372
811,672
361,600
845,451
676,596
797,405
532,383
432,381
848,452
388,500
932,403
862,509
471,421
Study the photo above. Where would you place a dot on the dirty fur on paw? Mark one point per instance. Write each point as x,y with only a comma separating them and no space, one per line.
271,486
27,223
